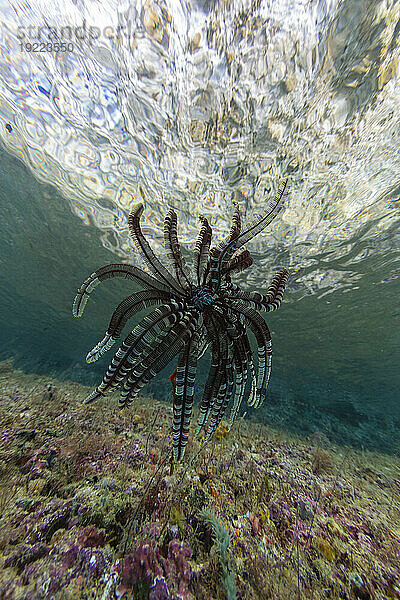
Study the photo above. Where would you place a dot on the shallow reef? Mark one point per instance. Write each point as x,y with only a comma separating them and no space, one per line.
93,508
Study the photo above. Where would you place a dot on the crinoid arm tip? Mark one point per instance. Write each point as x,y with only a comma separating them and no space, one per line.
92,397
137,209
78,306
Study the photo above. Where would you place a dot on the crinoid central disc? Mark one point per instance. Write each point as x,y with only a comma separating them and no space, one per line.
202,297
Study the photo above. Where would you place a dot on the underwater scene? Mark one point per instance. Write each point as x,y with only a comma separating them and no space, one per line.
221,421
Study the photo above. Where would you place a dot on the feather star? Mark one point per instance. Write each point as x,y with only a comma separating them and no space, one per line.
191,314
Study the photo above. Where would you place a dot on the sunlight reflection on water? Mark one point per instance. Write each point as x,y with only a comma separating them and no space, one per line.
198,102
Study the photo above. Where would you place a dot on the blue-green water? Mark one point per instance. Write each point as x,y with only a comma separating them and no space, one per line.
335,362
200,103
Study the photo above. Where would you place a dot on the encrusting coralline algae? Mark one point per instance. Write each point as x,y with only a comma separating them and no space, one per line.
92,508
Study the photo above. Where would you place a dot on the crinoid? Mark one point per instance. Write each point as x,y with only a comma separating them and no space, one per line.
193,314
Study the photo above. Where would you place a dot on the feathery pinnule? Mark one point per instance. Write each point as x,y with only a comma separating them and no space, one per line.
147,253
201,249
174,252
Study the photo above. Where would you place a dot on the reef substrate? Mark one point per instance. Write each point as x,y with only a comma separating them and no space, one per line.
93,508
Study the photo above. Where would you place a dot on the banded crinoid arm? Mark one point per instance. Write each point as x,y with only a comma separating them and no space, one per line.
236,349
174,252
230,337
244,364
274,207
153,263
251,367
137,345
204,342
124,311
233,323
109,272
219,342
205,405
161,355
201,249
183,395
275,291
237,264
270,301
235,344
226,388
262,335
215,253
224,397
